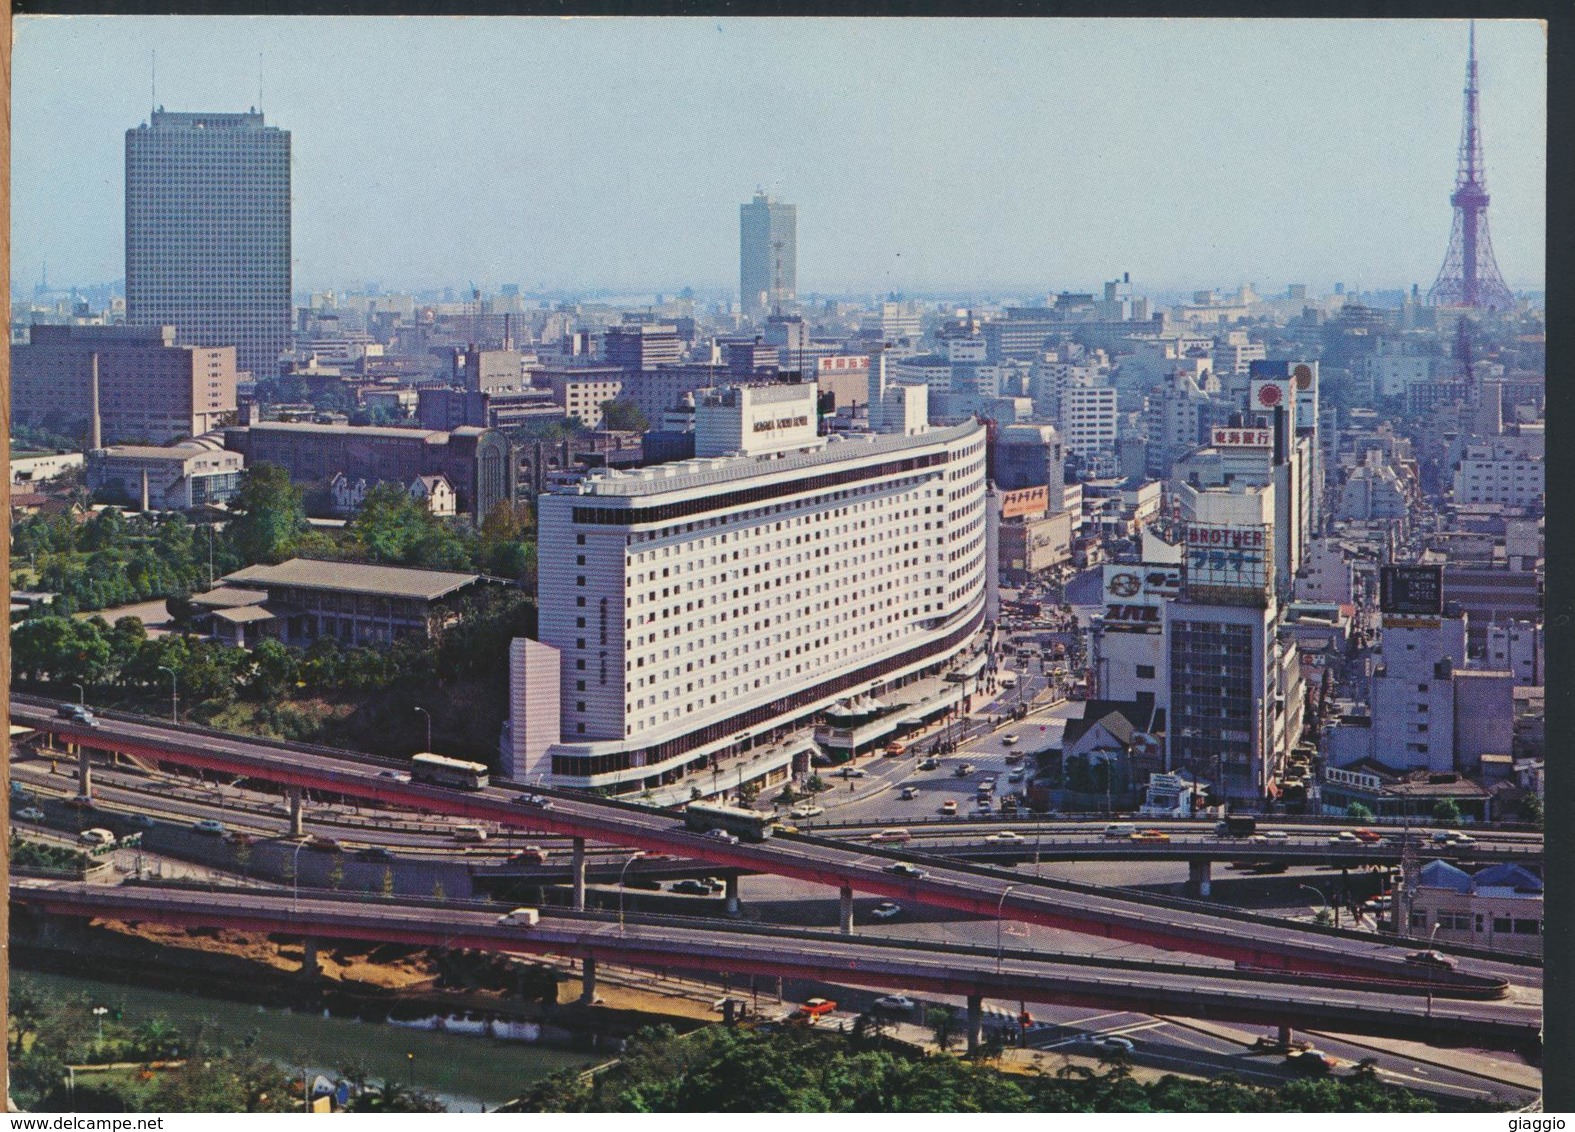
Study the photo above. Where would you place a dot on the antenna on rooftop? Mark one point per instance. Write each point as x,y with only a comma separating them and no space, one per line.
153,84
259,81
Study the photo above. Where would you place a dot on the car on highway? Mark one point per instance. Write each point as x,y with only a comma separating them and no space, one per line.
909,792
80,802
963,771
816,1008
903,869
1368,836
1011,740
239,837
208,826
97,837
1312,1062
723,836
806,810
930,763
317,843
1275,835
852,772
1345,837
530,855
1431,959
539,801
1112,1042
1151,835
76,713
31,813
886,910
1119,831
521,918
692,887
1461,839
715,884
141,821
895,1003
374,853
891,835
949,807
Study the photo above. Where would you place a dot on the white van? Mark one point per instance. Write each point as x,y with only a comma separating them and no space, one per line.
1122,832
471,834
96,837
521,917
891,835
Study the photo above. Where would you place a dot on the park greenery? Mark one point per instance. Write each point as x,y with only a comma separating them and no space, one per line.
803,1070
159,1066
326,692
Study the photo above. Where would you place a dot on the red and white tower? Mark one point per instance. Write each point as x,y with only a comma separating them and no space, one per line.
1470,275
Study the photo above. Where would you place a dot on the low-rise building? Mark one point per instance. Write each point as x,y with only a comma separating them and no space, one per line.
192,474
1499,908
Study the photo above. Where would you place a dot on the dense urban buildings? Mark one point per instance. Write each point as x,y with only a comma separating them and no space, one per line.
208,232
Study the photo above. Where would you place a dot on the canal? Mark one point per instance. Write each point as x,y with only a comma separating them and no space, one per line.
466,1073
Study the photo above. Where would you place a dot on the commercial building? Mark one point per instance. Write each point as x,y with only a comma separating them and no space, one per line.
1087,420
149,390
706,608
581,391
191,474
1501,471
208,233
638,346
1499,908
476,461
767,255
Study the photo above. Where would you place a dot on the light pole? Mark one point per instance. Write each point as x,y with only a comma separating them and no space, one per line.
428,714
1430,936
1000,905
295,875
1318,892
81,695
633,857
99,1012
174,693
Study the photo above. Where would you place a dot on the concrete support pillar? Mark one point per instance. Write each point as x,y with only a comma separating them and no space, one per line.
732,895
84,773
847,910
975,1022
1198,875
1285,1036
588,981
577,865
297,826
310,969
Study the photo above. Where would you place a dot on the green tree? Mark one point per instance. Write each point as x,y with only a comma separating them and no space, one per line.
1446,812
271,516
1358,812
336,873
942,1021
623,416
274,670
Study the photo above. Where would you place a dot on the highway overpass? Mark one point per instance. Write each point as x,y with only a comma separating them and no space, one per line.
1415,1010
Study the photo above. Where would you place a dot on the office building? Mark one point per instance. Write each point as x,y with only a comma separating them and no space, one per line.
708,608
208,233
190,474
1087,420
149,390
767,256
639,346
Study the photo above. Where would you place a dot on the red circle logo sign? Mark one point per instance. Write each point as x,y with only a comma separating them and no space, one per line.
1269,396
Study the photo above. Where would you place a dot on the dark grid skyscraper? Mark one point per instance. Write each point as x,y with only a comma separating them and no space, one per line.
1470,275
208,232
767,255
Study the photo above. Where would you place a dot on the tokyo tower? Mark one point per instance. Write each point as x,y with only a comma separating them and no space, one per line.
1470,275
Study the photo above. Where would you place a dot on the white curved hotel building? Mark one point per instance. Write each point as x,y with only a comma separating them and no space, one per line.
702,608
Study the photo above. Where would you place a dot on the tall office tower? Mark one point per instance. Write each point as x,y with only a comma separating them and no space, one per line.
208,232
767,255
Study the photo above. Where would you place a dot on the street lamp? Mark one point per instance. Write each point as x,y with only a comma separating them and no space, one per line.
174,693
999,907
428,714
81,695
633,857
1318,892
1430,936
99,1012
295,875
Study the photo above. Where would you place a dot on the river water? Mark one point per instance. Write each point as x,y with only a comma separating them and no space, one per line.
466,1073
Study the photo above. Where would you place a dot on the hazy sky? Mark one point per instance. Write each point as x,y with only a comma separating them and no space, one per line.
922,154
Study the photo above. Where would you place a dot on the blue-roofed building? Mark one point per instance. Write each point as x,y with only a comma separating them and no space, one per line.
1499,907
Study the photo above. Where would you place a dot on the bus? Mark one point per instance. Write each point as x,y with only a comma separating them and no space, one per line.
749,825
441,771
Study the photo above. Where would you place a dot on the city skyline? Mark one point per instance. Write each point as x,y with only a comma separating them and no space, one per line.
911,177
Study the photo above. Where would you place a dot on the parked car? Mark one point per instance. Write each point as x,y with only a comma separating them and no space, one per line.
1431,959
983,806
723,836
208,826
903,869
949,807
692,887
31,813
895,1003
852,772
886,910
